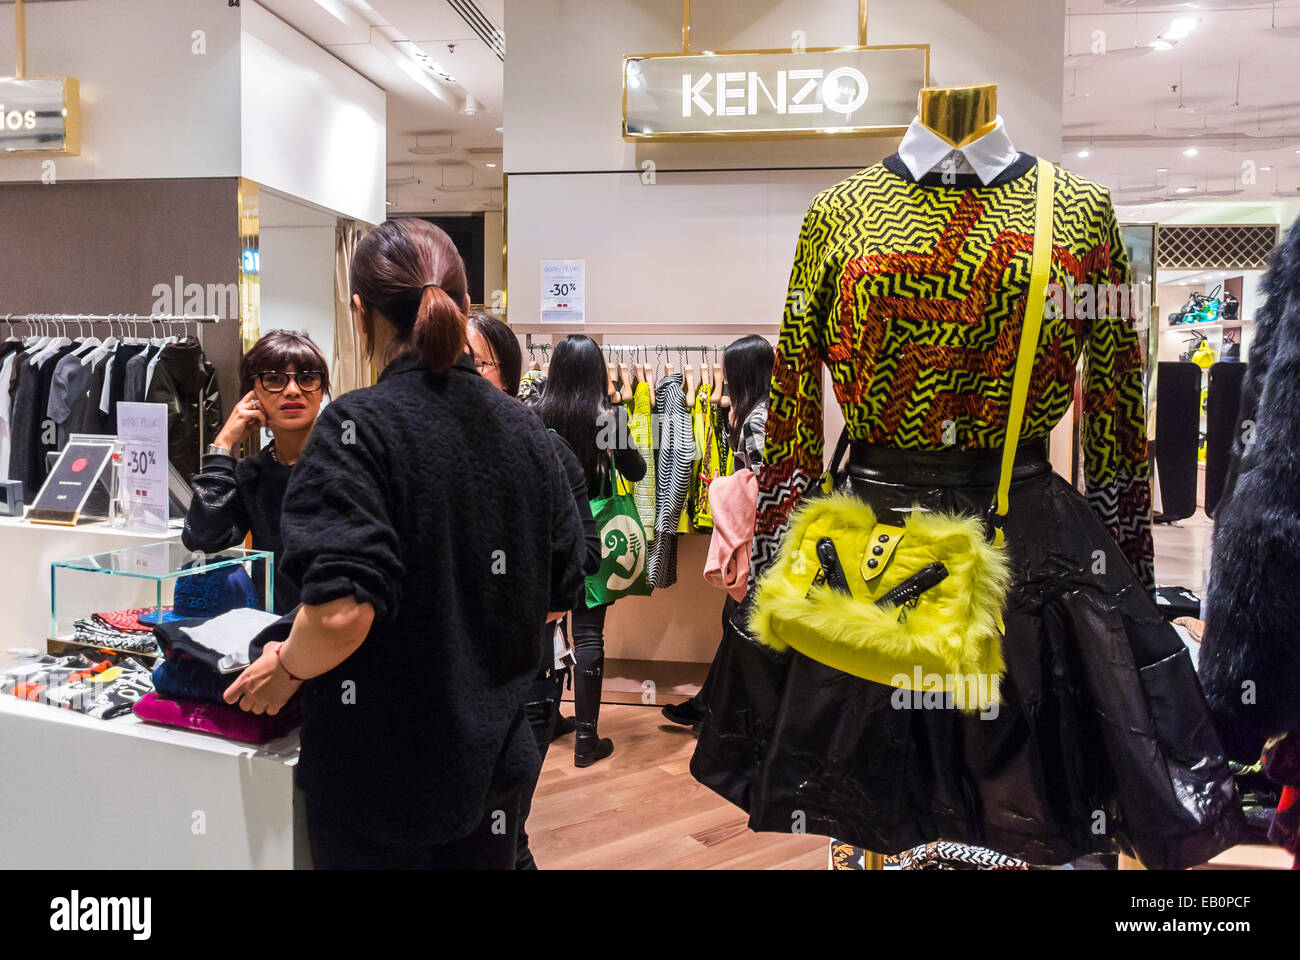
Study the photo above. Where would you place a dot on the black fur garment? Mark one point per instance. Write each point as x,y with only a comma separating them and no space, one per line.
1250,657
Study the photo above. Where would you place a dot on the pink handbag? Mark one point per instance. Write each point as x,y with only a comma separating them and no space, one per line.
733,501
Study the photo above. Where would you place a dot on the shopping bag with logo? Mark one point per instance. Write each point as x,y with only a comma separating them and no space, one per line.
623,547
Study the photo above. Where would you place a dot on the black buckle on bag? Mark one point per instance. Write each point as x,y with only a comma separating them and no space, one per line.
994,523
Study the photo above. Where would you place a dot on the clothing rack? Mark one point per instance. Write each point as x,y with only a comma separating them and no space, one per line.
32,320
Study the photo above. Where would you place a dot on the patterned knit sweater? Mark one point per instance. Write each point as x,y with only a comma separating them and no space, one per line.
913,295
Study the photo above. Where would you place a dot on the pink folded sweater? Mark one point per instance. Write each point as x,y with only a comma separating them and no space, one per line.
733,501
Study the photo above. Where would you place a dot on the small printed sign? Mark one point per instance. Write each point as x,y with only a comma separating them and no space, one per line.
142,480
564,285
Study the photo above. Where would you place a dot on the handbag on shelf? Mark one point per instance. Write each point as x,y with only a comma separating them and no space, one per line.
916,606
1199,308
1230,307
623,547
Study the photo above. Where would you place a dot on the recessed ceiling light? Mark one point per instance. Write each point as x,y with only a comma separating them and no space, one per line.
1180,28
1162,169
1185,190
1159,43
1190,152
1266,168
493,165
1084,154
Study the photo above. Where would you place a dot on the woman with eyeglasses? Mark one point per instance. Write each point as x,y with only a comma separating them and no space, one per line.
283,378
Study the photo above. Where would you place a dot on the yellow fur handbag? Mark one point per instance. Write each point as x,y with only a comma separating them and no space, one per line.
917,606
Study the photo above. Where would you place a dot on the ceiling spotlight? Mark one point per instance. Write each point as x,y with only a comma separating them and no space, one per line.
1266,169
1159,43
1180,28
471,108
1185,190
493,165
1084,154
1162,169
1190,152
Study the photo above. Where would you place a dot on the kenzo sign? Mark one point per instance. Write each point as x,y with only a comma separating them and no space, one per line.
772,93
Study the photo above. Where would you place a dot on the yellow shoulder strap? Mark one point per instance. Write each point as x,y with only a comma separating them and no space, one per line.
1035,302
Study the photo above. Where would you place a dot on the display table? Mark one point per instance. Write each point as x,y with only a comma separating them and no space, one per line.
26,552
93,794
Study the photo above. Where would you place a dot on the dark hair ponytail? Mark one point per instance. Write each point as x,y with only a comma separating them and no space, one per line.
410,272
439,331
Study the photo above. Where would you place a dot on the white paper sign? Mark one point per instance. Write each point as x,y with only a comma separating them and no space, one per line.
142,481
564,285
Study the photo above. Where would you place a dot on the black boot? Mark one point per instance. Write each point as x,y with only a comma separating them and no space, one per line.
588,746
687,713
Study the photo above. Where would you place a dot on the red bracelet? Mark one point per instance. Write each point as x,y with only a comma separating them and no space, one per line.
283,667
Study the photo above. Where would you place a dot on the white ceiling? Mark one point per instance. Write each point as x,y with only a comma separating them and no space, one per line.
1228,91
379,39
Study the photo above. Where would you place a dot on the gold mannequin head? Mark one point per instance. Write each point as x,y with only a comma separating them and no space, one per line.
959,114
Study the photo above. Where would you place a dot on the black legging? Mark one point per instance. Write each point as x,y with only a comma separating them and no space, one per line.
541,709
588,636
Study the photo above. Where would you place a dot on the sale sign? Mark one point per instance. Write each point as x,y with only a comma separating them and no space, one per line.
142,482
563,288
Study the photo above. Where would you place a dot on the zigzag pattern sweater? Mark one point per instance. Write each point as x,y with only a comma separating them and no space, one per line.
913,295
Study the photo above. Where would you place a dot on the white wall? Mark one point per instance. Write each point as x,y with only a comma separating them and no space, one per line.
311,126
151,106
493,240
297,269
716,246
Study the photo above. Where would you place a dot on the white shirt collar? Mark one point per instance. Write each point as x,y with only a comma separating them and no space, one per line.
922,150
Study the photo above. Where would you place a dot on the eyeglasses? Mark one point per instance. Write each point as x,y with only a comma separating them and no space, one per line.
482,365
276,381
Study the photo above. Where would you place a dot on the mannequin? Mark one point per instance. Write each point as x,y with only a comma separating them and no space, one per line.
917,270
960,115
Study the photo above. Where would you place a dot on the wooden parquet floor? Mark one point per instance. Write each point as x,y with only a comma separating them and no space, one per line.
641,809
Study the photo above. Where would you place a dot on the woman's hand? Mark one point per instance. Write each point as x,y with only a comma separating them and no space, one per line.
265,686
244,419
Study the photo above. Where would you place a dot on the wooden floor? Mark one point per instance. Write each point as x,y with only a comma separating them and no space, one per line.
642,809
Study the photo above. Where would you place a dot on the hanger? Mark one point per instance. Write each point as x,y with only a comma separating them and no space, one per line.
717,377
610,392
668,365
85,344
625,373
53,345
691,386
532,359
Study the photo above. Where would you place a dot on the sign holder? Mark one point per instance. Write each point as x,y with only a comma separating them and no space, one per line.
75,488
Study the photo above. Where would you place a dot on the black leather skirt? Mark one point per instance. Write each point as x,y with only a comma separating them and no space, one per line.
1102,740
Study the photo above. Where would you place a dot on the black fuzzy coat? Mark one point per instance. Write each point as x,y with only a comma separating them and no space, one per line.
440,501
1251,649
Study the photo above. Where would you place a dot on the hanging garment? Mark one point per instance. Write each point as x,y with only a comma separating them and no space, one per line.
674,466
93,419
530,387
28,420
640,426
69,397
137,371
1252,605
187,383
10,351
116,381
914,295
706,445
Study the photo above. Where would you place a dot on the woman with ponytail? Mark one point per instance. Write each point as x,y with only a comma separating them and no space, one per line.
428,524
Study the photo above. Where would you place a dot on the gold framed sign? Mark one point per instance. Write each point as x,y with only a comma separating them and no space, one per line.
773,94
40,116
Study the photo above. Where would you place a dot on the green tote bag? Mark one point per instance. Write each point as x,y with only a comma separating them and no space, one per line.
623,547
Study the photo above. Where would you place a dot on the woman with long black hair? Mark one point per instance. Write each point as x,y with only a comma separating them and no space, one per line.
747,365
574,404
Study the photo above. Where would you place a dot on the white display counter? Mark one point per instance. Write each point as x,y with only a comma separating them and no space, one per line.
26,552
81,793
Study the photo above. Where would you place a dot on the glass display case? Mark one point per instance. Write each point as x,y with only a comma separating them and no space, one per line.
110,601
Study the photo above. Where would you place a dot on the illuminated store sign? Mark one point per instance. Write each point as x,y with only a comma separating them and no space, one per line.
40,115
773,93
